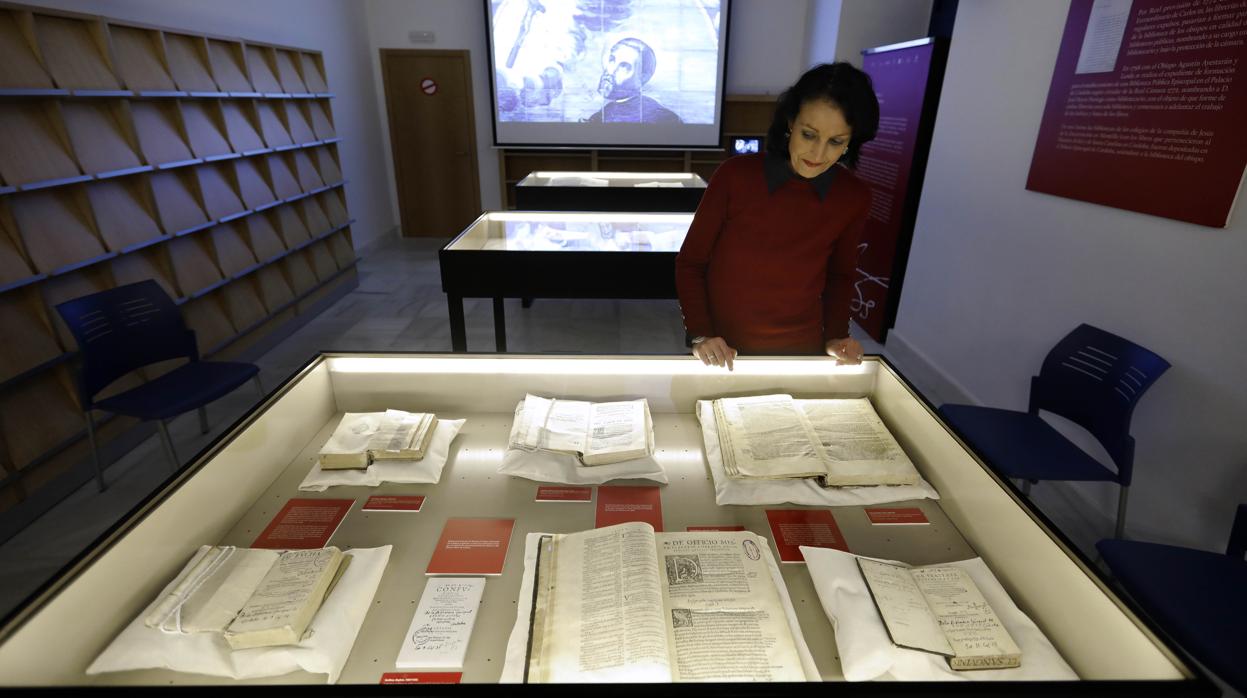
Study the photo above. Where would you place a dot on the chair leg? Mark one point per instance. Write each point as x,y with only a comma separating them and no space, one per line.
95,450
1121,513
168,444
203,420
258,385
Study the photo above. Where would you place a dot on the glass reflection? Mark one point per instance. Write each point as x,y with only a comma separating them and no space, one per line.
589,236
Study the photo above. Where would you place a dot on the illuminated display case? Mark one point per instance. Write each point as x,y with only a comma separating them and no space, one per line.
609,191
559,255
232,489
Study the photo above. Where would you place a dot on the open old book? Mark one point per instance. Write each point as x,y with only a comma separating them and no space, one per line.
623,603
939,609
253,597
595,432
841,442
363,437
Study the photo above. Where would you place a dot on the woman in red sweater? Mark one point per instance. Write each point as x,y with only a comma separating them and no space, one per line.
768,264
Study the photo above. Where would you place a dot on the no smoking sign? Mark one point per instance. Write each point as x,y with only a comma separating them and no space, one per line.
428,86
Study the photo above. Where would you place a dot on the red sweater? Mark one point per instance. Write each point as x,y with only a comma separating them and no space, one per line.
771,272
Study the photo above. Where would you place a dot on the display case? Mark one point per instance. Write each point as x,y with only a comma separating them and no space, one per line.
609,191
559,255
231,490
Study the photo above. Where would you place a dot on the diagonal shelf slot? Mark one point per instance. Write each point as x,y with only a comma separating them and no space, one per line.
262,237
260,67
33,144
290,226
313,73
232,253
29,338
271,127
204,128
19,66
177,206
56,227
122,212
101,140
72,51
342,249
296,122
241,125
192,264
226,59
220,194
159,127
254,190
188,62
320,116
139,61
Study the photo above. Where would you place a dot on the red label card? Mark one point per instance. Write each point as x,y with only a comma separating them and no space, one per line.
690,529
624,504
472,546
551,493
383,502
422,677
896,517
304,523
793,528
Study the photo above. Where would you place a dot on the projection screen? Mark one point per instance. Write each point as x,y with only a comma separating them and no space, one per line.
607,73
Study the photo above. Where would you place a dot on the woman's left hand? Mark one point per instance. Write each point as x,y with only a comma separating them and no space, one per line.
846,350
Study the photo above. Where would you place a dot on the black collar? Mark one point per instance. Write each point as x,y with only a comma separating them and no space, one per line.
778,172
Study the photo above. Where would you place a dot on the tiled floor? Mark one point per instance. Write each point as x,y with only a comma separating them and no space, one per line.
398,306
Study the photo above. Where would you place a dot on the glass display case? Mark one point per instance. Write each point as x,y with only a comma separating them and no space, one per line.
609,191
231,491
559,255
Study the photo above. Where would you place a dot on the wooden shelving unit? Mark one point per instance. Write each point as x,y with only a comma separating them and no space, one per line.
131,152
743,115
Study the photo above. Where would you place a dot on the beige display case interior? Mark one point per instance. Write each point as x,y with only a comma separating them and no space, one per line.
230,493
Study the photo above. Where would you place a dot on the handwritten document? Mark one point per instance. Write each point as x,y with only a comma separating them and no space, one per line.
939,609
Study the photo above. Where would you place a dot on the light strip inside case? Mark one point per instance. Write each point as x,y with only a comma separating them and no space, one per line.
587,366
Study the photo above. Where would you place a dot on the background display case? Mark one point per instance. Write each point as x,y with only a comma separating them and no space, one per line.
559,255
609,191
236,486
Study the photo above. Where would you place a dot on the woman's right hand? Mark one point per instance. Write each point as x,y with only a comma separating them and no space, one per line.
713,351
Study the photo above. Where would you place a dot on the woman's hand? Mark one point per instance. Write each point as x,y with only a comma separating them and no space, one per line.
713,351
846,350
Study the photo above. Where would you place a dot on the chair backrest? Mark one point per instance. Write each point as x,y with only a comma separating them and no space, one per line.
1237,547
122,329
1095,378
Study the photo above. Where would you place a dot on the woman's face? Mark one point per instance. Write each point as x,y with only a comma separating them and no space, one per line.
818,137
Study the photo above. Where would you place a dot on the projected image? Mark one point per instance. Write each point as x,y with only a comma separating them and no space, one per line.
606,61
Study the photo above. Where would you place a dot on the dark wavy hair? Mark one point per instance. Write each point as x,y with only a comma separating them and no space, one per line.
843,85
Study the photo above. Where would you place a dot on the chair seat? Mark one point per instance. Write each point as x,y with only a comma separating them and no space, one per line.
181,390
1022,445
1197,596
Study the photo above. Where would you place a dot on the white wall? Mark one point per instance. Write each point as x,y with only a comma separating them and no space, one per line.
334,27
998,273
869,23
766,45
456,24
822,31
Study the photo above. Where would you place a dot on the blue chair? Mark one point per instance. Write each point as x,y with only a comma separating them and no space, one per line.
128,327
1198,597
1091,377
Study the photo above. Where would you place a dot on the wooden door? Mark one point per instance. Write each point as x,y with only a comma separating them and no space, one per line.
428,96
